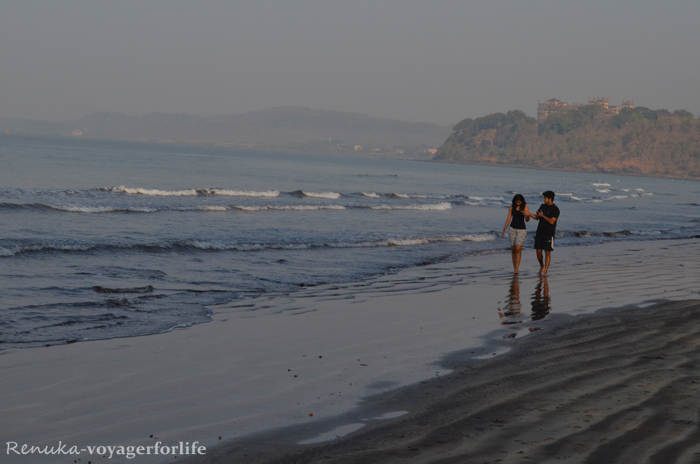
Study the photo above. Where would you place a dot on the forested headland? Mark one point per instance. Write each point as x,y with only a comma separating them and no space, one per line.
637,141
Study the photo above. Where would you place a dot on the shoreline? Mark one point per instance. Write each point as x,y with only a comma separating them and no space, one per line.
614,386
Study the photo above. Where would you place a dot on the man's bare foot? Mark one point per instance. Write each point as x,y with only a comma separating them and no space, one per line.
515,272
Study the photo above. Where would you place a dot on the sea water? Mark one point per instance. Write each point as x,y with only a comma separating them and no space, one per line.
103,239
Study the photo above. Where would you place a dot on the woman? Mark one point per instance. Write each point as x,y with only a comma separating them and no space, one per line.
518,214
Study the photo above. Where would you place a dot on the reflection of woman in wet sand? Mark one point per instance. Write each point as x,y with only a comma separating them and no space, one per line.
518,214
512,307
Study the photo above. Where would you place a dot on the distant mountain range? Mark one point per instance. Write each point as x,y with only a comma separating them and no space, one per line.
282,127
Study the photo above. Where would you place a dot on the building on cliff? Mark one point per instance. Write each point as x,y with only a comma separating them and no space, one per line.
554,105
604,102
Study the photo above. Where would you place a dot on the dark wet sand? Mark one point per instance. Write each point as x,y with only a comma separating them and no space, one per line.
617,386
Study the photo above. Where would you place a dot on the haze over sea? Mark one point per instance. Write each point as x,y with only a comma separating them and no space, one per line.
104,239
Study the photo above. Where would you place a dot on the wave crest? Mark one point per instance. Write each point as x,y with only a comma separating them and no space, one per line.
329,195
154,192
419,207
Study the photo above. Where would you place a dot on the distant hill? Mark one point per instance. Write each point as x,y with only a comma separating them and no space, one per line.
282,127
635,141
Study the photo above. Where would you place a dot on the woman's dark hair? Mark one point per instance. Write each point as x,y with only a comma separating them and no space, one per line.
521,198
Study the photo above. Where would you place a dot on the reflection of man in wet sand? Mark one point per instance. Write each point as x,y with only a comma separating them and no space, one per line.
547,215
541,305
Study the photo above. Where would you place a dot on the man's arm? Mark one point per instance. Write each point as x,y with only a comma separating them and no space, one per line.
550,220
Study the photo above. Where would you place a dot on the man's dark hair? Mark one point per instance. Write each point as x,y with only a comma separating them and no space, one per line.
548,194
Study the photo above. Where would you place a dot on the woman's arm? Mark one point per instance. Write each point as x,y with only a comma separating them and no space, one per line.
510,213
526,213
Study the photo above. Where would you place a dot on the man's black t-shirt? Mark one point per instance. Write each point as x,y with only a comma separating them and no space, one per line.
545,229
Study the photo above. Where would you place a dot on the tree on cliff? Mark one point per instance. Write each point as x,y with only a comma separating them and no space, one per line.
588,138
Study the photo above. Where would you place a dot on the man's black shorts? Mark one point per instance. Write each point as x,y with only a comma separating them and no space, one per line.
544,243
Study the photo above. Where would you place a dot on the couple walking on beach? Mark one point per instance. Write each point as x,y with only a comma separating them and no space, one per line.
518,215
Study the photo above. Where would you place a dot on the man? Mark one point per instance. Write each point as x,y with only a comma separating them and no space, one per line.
547,216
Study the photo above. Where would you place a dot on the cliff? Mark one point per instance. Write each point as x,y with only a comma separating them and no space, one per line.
635,141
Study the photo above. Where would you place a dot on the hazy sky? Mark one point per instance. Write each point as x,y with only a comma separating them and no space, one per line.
437,61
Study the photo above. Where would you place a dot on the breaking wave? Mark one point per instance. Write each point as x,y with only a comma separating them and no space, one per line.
243,193
429,207
289,207
101,209
85,209
329,195
153,192
223,245
193,192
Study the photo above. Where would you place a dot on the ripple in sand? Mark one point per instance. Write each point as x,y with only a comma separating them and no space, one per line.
333,434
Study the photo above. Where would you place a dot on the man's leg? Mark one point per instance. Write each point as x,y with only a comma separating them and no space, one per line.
539,258
548,258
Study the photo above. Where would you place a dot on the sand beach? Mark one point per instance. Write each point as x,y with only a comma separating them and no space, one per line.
432,364
616,387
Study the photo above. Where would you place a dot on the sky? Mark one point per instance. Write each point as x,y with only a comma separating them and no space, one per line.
437,61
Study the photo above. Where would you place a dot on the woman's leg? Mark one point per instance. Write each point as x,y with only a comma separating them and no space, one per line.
517,254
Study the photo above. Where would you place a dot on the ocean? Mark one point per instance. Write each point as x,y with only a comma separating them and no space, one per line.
105,239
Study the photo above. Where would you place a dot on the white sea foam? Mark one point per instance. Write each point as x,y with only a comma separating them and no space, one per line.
603,190
6,252
407,241
243,193
212,208
430,207
370,195
223,246
289,208
331,195
250,208
600,185
12,251
638,190
101,209
618,197
55,247
465,238
155,192
308,207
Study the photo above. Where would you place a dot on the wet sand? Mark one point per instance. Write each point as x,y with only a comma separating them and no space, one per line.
618,386
270,362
